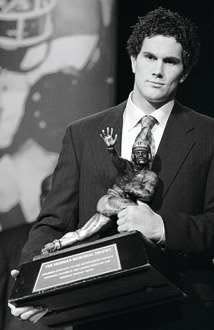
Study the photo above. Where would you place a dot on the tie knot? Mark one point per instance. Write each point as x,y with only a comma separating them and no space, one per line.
148,121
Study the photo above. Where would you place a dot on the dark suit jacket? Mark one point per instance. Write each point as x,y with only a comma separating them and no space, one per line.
184,198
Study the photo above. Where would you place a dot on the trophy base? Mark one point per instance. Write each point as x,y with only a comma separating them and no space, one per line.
109,276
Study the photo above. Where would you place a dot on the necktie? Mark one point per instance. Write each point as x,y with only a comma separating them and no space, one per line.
145,136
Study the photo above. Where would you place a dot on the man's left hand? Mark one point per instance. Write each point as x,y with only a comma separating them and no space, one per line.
142,218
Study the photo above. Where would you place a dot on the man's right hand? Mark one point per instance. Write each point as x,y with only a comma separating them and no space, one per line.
29,313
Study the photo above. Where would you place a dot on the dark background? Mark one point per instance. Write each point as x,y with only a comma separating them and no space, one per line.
197,91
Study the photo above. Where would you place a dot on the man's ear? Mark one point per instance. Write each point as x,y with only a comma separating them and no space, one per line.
133,62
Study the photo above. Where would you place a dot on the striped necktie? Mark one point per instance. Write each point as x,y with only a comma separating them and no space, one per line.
145,136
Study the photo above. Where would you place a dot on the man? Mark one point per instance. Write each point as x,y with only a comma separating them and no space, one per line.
163,48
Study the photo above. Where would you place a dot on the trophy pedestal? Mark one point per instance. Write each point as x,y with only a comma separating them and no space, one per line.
112,275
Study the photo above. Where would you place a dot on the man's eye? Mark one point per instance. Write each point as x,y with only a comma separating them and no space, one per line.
149,57
171,61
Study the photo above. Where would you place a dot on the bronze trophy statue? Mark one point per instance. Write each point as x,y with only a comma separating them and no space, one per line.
136,183
109,275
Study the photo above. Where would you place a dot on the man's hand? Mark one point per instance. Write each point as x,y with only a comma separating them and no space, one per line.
30,313
142,218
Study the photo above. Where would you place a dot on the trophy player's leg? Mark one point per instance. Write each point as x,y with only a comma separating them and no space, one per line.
93,225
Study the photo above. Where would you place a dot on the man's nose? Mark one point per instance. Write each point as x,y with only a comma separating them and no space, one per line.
158,69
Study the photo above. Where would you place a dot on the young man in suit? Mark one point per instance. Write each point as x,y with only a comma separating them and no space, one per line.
163,48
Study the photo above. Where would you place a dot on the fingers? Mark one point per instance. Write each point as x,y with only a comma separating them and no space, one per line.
26,315
36,317
125,214
115,138
122,213
14,273
106,132
122,223
30,313
19,311
122,228
109,131
101,135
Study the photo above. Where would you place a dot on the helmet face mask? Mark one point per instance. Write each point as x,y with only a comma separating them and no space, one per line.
25,24
141,154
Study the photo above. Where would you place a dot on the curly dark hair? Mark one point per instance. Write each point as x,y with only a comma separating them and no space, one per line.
165,22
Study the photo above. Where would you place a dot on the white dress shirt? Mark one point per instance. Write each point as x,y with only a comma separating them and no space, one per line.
131,125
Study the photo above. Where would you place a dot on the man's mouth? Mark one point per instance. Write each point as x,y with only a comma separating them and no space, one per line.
156,83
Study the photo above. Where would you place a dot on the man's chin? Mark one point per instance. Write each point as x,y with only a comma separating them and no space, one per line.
157,100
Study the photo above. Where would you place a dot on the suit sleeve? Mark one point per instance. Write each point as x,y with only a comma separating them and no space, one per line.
60,211
193,234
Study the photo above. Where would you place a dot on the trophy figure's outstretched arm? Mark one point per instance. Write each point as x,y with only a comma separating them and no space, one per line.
123,165
108,138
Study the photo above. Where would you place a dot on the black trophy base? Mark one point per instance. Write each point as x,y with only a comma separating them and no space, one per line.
112,275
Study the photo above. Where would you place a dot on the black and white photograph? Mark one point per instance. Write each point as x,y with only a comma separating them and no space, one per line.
106,165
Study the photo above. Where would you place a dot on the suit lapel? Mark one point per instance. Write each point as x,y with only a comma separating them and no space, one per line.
176,143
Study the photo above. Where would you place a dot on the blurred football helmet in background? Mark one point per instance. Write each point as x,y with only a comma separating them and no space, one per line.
24,24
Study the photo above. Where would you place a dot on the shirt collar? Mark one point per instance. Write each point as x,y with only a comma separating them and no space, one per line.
133,114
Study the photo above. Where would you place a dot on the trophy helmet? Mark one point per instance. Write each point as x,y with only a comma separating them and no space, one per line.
141,151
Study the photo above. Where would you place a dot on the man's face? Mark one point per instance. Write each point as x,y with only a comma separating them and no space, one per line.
158,70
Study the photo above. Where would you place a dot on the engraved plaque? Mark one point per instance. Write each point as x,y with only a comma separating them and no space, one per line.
78,267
